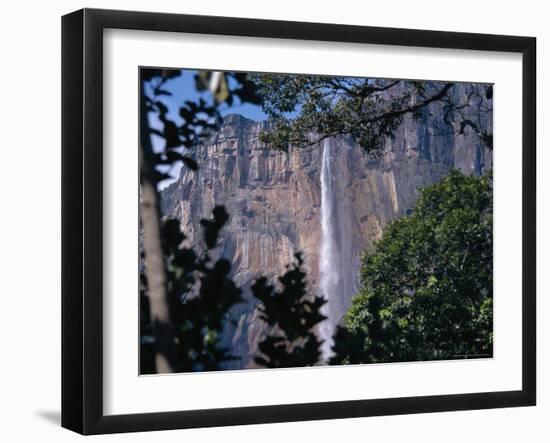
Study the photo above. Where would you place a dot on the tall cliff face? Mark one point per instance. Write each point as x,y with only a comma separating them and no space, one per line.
274,199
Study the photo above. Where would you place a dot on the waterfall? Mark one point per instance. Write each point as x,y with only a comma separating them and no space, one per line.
329,256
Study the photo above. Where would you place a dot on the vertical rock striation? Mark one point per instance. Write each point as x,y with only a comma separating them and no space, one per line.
274,199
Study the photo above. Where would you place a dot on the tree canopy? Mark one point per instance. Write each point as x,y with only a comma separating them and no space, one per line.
305,109
427,285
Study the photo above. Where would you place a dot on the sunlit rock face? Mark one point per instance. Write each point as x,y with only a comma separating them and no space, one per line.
274,199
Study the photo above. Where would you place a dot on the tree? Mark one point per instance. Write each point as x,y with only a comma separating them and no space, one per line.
293,314
154,273
185,295
159,240
427,284
305,109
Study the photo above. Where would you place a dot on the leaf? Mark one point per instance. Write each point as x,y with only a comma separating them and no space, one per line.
171,135
213,226
190,163
221,93
172,232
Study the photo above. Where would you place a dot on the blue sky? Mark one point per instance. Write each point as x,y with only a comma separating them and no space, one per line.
183,88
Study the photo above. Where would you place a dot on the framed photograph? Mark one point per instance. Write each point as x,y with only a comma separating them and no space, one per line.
269,221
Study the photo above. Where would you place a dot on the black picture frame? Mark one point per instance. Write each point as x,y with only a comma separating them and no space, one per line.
82,218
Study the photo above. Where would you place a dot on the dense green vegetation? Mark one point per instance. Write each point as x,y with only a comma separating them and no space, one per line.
427,284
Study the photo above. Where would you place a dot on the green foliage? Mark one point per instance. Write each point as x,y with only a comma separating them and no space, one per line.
367,110
292,315
427,285
199,117
305,109
201,292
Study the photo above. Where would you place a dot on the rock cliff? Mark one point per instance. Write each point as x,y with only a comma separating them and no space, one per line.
274,200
